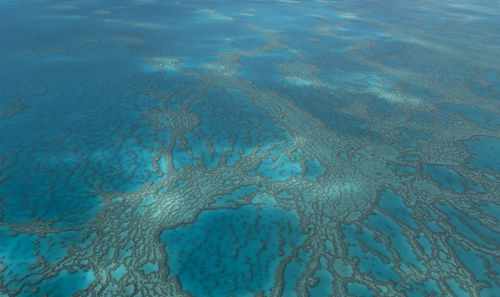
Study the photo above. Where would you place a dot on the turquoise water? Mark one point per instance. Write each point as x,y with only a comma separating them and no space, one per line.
249,148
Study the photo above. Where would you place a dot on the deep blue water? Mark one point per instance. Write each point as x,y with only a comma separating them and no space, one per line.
249,148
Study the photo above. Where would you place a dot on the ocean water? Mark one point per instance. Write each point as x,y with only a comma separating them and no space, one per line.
249,148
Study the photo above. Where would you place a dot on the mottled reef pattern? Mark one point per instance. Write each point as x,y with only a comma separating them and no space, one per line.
249,148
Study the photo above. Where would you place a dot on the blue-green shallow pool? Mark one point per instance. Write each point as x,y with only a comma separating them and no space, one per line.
249,148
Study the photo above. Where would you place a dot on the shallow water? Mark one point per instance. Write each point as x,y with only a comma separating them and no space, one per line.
249,148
